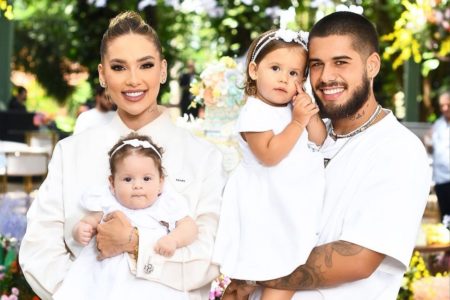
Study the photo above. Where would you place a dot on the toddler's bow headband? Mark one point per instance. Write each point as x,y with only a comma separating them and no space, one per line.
137,143
289,36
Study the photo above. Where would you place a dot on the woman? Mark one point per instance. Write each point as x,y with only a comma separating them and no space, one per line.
131,70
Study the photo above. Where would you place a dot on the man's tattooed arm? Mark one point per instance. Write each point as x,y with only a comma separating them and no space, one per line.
328,265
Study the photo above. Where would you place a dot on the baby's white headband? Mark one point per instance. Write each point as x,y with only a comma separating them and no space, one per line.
289,36
137,143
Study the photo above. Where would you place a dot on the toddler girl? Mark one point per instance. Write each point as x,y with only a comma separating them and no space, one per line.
136,188
272,201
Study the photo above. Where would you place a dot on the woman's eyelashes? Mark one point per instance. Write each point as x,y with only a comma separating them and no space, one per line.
148,65
117,68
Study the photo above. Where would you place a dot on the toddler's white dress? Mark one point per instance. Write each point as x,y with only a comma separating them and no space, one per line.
270,215
111,278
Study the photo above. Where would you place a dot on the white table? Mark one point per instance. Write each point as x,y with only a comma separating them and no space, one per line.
19,159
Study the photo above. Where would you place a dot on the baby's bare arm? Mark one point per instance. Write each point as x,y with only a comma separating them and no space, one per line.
87,227
317,131
184,234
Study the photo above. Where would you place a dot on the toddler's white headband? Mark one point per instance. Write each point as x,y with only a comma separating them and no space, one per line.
137,143
289,36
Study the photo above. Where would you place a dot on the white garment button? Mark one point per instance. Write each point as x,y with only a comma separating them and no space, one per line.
148,268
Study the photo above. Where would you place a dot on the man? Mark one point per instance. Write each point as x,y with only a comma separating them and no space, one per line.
100,114
17,103
377,174
440,149
186,96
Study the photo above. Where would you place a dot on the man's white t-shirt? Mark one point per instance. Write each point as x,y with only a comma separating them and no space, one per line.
376,190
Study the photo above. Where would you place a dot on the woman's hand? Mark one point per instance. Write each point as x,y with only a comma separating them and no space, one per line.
114,236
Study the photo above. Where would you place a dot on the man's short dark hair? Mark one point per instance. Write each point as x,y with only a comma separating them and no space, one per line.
363,32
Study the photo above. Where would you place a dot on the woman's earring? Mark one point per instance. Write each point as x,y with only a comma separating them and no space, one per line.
102,84
163,80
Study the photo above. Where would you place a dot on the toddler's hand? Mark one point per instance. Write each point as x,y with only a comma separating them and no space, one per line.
83,233
303,107
166,246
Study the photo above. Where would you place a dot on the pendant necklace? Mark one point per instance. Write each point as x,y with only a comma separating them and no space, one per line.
351,134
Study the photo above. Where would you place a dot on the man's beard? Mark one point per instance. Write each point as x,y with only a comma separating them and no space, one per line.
351,107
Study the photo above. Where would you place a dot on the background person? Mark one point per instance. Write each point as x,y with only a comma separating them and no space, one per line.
17,103
440,151
102,113
132,77
186,96
377,175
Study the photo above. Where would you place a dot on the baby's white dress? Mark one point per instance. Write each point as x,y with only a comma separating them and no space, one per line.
270,215
111,278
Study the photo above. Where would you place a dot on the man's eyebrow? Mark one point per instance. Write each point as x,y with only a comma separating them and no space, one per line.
341,57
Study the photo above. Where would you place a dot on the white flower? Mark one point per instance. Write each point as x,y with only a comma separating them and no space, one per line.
286,35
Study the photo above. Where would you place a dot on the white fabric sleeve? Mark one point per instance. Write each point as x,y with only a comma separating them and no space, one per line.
389,205
254,116
80,123
194,259
173,206
43,255
94,198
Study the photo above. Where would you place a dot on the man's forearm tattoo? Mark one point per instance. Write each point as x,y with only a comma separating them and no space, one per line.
312,274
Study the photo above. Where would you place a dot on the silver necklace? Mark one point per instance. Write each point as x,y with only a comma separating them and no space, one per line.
326,161
359,129
350,135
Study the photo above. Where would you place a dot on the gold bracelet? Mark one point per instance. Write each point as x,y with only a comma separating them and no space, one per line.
130,237
136,248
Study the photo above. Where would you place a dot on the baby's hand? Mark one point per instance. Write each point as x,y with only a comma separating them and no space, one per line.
83,233
166,246
303,107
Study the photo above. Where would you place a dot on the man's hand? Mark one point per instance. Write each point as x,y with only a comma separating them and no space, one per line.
114,235
238,290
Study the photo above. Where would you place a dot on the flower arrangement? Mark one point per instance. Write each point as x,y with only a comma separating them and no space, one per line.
221,84
12,229
436,233
419,284
218,287
12,281
13,221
